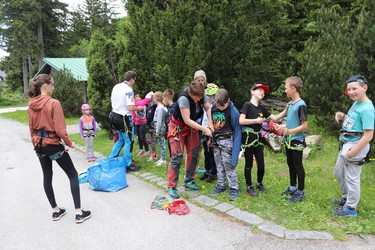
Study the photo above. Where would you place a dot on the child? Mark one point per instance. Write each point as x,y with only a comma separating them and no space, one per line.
168,96
296,123
87,130
150,113
209,160
252,116
160,128
226,140
356,133
139,118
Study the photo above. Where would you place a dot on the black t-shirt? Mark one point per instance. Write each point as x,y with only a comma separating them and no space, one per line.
221,119
252,112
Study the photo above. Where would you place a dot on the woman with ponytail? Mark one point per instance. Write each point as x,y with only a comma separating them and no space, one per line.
47,129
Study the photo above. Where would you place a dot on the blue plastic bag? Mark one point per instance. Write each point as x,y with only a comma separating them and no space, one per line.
108,176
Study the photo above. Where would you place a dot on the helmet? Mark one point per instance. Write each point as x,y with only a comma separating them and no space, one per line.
211,89
85,107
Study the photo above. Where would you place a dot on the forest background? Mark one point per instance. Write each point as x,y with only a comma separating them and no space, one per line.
237,43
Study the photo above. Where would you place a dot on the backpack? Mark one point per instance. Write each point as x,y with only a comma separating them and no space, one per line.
150,115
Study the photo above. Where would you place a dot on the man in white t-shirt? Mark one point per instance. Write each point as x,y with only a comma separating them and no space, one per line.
123,103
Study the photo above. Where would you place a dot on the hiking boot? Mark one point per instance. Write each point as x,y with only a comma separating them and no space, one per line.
211,178
233,195
345,211
203,177
251,191
297,197
261,188
192,186
133,168
86,214
340,202
217,190
173,192
288,192
57,215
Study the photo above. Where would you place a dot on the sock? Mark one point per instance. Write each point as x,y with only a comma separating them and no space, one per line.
292,188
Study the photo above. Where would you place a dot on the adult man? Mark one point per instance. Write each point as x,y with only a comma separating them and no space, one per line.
123,103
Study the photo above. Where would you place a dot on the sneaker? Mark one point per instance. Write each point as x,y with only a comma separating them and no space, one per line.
173,192
160,163
260,187
345,211
57,215
146,153
86,214
92,158
211,178
140,153
192,186
288,192
152,157
233,195
251,191
340,202
203,177
88,159
133,168
297,197
217,190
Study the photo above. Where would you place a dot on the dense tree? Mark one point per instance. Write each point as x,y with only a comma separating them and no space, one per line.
101,78
31,31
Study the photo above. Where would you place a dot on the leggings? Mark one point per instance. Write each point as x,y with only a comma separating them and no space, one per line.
65,162
296,170
259,156
141,133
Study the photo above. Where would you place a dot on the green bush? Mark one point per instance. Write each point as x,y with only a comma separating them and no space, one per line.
11,98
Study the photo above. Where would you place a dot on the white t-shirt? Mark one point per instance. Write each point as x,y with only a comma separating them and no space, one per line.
122,96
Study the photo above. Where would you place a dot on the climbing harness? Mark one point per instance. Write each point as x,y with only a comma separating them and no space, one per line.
294,146
250,141
160,202
38,147
178,207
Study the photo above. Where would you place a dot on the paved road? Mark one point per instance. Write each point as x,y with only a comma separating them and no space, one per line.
121,220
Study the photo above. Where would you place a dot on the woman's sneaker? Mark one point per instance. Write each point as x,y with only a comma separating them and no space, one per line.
173,192
86,214
57,215
140,153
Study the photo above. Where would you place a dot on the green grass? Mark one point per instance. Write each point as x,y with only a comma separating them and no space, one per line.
21,116
321,187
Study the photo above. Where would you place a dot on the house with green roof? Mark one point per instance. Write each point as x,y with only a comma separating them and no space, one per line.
76,66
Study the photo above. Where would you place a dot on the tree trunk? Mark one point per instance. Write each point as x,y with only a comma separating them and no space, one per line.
25,77
40,42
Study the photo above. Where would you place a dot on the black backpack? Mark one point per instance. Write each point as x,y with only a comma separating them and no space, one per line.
150,115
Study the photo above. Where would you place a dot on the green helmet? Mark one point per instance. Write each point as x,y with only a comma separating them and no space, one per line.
211,89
